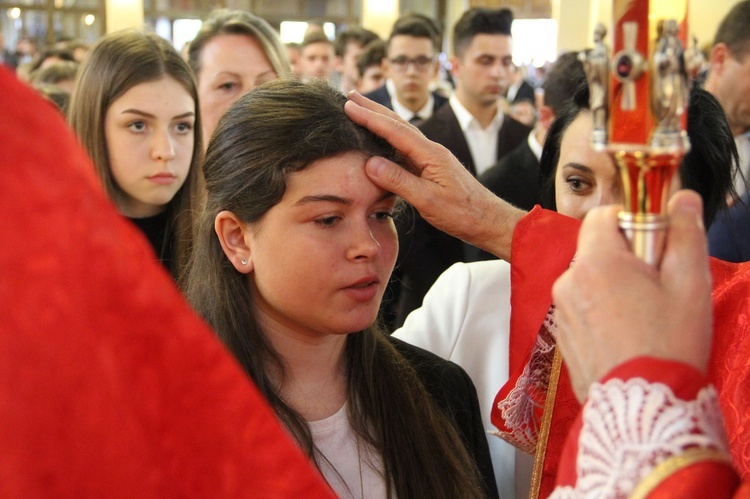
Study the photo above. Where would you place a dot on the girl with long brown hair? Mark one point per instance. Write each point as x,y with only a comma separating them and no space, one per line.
294,249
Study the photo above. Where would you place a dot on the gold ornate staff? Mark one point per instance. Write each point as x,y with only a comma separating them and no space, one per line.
639,106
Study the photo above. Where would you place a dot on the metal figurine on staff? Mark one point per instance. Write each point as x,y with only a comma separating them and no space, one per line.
647,149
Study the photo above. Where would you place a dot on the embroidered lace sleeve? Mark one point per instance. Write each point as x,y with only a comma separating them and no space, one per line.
520,412
635,433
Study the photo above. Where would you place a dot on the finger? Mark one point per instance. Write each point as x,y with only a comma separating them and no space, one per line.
600,231
405,138
686,242
393,178
564,295
363,101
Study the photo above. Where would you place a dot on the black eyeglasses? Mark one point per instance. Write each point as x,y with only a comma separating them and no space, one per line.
421,63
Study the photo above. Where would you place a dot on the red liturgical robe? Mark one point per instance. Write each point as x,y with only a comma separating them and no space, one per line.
110,386
544,245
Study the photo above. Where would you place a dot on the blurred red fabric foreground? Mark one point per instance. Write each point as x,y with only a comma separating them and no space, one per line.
109,385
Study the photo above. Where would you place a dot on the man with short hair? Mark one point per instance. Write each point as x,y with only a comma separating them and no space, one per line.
729,80
515,178
348,46
473,127
370,67
316,56
411,64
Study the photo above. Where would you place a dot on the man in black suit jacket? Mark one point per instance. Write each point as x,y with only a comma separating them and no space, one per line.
475,130
412,63
520,89
515,178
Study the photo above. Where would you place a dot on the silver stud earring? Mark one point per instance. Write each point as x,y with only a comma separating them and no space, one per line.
244,262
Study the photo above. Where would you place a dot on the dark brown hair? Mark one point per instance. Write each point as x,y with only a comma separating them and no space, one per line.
480,21
734,30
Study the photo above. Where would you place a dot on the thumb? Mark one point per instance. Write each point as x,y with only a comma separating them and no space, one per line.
393,178
686,240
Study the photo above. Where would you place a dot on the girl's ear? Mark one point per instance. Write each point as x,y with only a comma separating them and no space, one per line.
233,236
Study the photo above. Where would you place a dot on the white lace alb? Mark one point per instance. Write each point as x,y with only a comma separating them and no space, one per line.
521,408
630,427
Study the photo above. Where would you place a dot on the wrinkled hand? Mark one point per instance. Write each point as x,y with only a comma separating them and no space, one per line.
434,182
612,307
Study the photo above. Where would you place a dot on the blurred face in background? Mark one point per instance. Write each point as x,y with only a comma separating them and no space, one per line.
411,64
317,60
373,78
230,66
347,65
482,72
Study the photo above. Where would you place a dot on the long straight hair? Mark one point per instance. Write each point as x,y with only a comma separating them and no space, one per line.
279,128
117,63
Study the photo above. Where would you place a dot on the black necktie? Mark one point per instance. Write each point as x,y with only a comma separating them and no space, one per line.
416,120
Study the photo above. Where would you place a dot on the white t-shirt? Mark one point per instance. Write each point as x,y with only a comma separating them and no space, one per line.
352,469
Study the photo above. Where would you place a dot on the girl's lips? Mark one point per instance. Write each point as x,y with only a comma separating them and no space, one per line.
362,292
364,289
163,178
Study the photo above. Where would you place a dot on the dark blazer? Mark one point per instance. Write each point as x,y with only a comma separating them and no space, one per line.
9,58
426,252
451,388
515,178
444,129
525,92
381,96
729,234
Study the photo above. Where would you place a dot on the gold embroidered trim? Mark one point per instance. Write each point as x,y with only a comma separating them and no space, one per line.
549,406
675,464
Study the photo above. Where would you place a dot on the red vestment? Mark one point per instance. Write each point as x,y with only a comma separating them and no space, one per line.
544,245
110,386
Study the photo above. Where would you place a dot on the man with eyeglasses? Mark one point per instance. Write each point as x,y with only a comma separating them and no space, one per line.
411,64
474,129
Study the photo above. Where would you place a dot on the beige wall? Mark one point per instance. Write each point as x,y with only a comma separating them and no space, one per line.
123,14
379,16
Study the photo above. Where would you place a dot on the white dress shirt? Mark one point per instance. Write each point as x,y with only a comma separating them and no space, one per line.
743,149
535,146
482,141
404,112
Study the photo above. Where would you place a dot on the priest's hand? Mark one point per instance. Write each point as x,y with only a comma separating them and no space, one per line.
612,307
435,183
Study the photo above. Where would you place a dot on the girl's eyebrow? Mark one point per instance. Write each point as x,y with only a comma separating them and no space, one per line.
149,115
578,166
330,198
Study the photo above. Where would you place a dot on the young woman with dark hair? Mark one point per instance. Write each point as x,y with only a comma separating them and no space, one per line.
293,252
574,178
